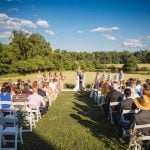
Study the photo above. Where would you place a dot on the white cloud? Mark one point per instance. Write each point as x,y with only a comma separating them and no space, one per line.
133,43
42,23
12,0
26,31
50,32
103,29
9,0
7,22
3,17
80,32
6,35
27,23
148,37
109,37
13,9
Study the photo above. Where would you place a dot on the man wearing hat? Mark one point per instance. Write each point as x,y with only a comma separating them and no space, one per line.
143,116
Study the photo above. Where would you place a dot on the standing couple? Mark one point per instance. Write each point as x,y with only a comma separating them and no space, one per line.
80,81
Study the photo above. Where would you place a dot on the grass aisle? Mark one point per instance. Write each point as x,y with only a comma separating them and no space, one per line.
72,123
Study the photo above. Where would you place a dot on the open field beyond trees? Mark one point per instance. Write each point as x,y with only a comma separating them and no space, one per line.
121,65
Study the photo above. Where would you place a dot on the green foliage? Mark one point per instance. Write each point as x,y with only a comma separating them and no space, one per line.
144,69
28,53
113,68
69,86
21,116
130,64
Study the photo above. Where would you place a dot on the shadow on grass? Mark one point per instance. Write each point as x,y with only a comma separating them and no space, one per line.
91,117
34,142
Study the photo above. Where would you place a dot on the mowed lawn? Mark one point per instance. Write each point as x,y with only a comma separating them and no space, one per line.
73,123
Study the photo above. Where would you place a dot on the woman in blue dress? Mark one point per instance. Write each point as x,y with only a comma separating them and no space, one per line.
5,97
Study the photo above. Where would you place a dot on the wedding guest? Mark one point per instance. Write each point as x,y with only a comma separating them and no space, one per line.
121,76
116,77
61,81
50,77
27,89
139,88
39,77
113,96
127,103
143,116
19,96
109,77
45,79
37,101
5,96
97,77
104,76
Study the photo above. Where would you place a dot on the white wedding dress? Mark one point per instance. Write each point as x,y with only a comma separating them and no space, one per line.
77,84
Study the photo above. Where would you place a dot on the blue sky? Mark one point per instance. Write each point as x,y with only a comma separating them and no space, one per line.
80,25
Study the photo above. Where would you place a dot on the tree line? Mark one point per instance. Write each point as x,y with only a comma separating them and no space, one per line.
27,53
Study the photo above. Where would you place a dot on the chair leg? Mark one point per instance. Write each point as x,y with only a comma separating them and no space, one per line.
20,134
16,140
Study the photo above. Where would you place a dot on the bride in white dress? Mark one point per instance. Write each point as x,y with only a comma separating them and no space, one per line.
77,88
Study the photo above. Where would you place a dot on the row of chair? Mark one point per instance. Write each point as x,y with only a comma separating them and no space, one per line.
9,123
99,98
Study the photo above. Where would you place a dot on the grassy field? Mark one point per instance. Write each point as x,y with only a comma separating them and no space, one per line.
70,77
73,123
120,65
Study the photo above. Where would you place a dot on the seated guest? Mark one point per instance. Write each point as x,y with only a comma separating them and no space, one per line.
143,116
35,100
139,88
5,96
49,93
35,85
113,96
19,96
27,89
126,104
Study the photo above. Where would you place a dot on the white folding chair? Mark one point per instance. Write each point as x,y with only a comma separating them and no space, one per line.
30,121
110,116
37,113
125,121
133,142
10,127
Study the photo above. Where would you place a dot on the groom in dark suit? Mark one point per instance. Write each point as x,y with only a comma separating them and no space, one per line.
80,81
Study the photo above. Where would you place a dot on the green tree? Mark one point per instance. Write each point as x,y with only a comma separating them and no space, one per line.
130,64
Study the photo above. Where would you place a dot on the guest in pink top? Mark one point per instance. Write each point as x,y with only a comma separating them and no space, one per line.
35,100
